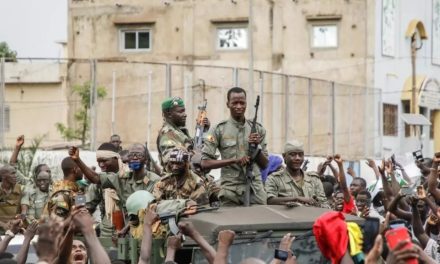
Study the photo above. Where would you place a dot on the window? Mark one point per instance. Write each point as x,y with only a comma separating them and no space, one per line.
324,36
390,119
406,108
232,37
135,39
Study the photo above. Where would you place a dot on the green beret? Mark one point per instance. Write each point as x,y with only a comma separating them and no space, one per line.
172,102
293,146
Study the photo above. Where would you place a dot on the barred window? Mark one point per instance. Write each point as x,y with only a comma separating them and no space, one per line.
390,113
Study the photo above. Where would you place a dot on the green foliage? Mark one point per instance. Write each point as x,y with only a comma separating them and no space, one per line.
7,53
82,117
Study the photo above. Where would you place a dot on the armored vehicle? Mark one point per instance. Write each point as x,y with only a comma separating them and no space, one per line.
259,229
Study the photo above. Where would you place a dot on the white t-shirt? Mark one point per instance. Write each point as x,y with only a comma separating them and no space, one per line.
431,250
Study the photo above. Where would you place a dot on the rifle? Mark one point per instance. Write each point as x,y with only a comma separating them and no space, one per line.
198,139
304,166
251,153
171,218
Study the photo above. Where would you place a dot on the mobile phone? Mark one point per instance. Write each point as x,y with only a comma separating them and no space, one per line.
418,155
371,230
281,254
80,200
394,236
397,223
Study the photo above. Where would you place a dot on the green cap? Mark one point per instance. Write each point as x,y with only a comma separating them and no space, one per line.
293,146
138,200
172,102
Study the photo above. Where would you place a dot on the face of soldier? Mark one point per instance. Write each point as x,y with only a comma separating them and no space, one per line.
43,181
108,165
10,177
237,105
44,168
294,159
79,253
177,115
177,168
136,154
116,141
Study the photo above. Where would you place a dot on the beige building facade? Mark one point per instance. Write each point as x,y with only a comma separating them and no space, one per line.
148,50
35,99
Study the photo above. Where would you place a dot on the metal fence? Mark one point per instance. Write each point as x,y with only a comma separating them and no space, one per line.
328,117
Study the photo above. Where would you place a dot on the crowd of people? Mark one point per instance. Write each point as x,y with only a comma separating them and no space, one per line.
132,188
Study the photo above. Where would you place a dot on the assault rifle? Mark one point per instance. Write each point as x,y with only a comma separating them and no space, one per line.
171,218
305,164
198,139
252,151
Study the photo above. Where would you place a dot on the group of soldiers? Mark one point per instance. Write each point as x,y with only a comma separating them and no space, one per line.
184,174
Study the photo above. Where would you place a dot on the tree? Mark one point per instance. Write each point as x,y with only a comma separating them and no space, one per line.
5,52
82,116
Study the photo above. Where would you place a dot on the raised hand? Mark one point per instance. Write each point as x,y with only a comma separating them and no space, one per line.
20,141
74,152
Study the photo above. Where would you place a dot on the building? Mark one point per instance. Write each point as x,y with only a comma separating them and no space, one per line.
396,22
148,50
34,101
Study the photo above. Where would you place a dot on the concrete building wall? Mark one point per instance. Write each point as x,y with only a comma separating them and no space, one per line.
184,32
391,72
35,94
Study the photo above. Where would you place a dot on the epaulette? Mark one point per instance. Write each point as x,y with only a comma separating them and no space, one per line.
277,173
221,123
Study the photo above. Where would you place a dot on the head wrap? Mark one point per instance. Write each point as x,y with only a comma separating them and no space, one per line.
108,154
172,102
178,155
293,146
331,235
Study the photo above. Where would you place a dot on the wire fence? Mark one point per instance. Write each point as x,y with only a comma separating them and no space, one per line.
327,117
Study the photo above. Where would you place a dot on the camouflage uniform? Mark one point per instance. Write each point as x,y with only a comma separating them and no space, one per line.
193,188
127,185
10,203
171,137
281,184
231,139
35,200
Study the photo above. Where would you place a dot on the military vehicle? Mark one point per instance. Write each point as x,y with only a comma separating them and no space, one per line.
259,229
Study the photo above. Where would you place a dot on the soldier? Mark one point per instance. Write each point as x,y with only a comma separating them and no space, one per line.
181,182
116,141
173,132
293,184
35,197
10,193
232,137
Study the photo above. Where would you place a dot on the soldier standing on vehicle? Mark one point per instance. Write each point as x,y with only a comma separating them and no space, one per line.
181,182
173,132
232,137
293,184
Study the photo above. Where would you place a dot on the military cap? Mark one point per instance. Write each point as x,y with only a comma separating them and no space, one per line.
138,200
172,102
178,155
292,146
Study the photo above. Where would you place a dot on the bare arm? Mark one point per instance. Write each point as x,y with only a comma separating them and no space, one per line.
372,165
419,232
91,175
14,227
385,184
393,208
4,243
225,239
18,144
432,178
84,221
208,251
24,249
149,218
342,179
174,243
